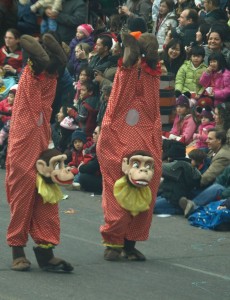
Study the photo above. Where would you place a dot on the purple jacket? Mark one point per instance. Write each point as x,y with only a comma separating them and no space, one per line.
75,42
220,82
186,129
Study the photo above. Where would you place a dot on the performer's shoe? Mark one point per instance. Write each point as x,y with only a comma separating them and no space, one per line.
36,53
133,255
131,51
53,48
48,262
21,264
112,254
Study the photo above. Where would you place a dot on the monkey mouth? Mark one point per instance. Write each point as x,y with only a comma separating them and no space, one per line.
139,182
63,182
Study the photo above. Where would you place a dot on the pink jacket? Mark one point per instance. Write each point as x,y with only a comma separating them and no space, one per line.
220,82
5,107
186,129
202,134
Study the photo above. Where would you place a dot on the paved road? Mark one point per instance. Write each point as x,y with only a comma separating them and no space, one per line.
183,262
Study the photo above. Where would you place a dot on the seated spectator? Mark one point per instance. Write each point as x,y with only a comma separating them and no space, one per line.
214,13
55,127
83,35
105,93
173,56
6,106
27,21
220,159
90,178
165,21
199,160
179,177
8,17
201,34
216,78
206,124
11,54
184,4
184,125
188,25
188,76
222,119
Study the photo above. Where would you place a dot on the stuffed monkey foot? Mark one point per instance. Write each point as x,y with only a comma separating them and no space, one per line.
36,53
131,51
48,262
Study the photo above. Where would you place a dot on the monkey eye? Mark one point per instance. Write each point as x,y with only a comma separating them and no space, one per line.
136,164
57,165
149,166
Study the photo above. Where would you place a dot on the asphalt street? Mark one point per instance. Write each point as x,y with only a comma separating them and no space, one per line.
183,262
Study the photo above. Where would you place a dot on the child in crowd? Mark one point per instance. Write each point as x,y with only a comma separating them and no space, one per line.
188,76
48,23
82,51
83,35
216,78
56,128
184,125
207,122
87,108
86,73
79,142
106,91
6,106
67,126
199,160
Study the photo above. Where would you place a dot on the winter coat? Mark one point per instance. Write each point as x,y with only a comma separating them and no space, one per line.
55,5
202,135
187,78
225,51
219,161
220,82
186,129
186,34
216,15
180,177
141,8
168,22
14,59
7,108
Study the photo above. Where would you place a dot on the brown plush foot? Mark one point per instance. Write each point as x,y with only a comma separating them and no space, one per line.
53,48
132,50
133,255
112,254
36,53
20,264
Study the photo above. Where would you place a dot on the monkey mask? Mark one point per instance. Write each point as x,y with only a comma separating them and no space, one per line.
132,191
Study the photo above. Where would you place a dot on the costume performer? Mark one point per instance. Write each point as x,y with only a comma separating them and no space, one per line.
29,136
131,122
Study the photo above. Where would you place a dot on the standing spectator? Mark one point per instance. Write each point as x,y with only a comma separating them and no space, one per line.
72,15
141,8
214,13
106,91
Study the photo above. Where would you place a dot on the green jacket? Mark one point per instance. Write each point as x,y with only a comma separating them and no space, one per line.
187,78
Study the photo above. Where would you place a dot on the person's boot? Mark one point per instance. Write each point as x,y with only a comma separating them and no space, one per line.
131,50
48,262
55,52
37,55
131,253
20,262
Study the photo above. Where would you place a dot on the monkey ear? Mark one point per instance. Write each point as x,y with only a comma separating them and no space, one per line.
42,168
125,165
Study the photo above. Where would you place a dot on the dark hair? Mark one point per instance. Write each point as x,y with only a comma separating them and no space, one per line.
204,29
192,14
137,24
172,44
222,29
219,57
115,23
169,3
89,85
15,32
215,3
88,70
197,155
220,135
197,50
106,40
224,113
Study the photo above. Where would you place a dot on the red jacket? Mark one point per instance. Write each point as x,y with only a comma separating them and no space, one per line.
13,59
5,107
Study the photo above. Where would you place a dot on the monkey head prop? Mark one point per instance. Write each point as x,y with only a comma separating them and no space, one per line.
132,191
139,168
51,167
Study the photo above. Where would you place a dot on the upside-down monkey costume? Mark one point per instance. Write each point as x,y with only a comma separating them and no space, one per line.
131,122
29,136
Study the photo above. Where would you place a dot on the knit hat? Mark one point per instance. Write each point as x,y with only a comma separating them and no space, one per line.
87,29
183,101
207,114
205,101
68,123
78,134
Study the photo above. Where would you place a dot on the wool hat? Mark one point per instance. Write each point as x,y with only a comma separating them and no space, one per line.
87,29
78,134
207,114
183,101
68,123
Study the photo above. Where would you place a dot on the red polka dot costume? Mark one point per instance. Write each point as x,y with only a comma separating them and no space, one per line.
29,136
131,122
